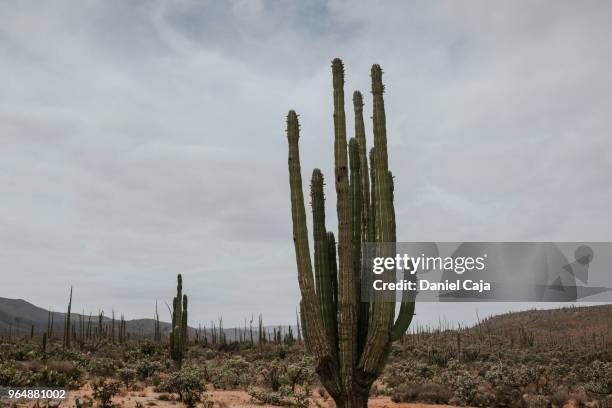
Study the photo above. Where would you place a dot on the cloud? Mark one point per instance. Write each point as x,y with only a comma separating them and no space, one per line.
145,139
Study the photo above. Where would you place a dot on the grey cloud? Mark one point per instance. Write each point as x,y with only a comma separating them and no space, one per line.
144,139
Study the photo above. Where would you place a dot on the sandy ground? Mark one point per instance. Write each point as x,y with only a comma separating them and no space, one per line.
221,399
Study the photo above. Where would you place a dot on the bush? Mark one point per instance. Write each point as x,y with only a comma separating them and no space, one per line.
104,391
284,397
36,373
405,393
466,387
233,373
299,373
127,376
501,375
104,366
598,377
187,383
11,375
428,392
146,368
506,396
434,393
535,401
271,373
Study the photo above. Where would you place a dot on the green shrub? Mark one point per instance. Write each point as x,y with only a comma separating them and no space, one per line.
104,391
466,386
146,368
187,383
127,376
103,366
233,373
271,372
299,373
283,397
598,377
12,375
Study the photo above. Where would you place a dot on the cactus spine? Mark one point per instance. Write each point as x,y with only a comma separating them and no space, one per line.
178,335
349,339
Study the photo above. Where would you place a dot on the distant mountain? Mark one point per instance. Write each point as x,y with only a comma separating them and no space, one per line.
17,316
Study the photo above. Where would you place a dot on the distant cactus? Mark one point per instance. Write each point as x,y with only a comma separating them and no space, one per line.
349,339
100,329
122,332
157,335
50,324
67,330
178,335
113,327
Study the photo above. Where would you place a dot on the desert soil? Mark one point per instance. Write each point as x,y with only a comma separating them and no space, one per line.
221,399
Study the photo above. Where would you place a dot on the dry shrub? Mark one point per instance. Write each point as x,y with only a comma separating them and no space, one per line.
559,398
434,393
165,397
535,401
405,393
427,392
63,366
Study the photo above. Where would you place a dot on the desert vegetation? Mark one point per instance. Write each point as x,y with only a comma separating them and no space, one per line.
515,360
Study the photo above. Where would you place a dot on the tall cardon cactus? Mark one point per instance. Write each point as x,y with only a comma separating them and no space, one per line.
350,339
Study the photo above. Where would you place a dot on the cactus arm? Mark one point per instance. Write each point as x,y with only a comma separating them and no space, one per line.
372,229
357,199
382,312
324,279
333,266
333,275
347,306
313,322
403,320
406,312
366,212
184,324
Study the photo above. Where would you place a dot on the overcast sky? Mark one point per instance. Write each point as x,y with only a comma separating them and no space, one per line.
141,139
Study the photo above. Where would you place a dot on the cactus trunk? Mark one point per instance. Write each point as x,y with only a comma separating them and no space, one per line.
350,339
